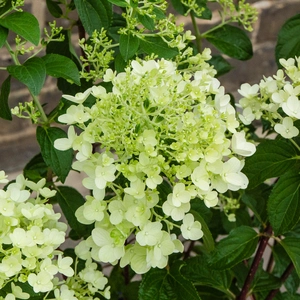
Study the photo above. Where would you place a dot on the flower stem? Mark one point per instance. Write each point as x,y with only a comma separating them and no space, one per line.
197,32
12,53
39,107
258,256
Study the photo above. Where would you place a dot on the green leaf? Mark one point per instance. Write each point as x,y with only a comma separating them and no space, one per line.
199,272
284,203
206,13
209,293
32,73
147,21
208,240
157,46
160,284
256,199
36,168
131,290
291,246
3,35
179,7
237,246
69,200
288,296
5,112
252,203
94,14
121,3
24,24
129,45
242,218
64,48
5,7
232,41
59,161
54,63
288,41
120,63
54,8
118,22
221,65
264,281
271,159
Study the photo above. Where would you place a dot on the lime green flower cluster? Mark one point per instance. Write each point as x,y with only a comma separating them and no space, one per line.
30,235
88,284
98,54
167,136
274,99
240,12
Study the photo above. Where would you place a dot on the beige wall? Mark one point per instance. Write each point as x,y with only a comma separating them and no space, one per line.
17,138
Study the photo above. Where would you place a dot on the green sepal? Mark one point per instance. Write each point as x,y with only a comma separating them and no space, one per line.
59,161
5,112
24,24
32,73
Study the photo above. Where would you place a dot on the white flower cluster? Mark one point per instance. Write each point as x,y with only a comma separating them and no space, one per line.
88,284
167,136
30,235
274,99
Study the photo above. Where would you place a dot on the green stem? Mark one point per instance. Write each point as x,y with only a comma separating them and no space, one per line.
35,99
12,54
295,144
197,32
203,35
39,107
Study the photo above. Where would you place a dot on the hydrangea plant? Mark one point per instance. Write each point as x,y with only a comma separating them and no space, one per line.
180,201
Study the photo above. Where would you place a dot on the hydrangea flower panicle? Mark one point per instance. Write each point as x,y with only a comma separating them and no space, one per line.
161,128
